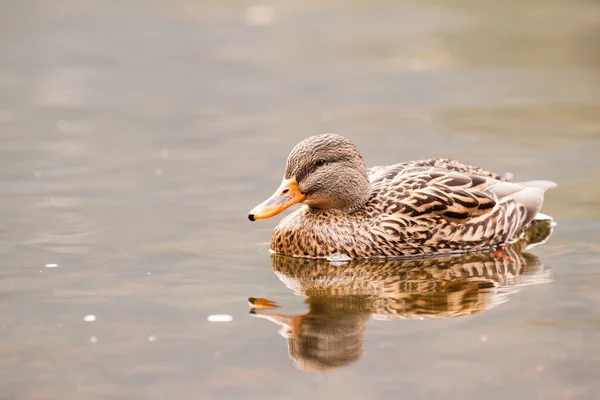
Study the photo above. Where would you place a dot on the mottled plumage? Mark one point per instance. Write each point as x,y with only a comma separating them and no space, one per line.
412,208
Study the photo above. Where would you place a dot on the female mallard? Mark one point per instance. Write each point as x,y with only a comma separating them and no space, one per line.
412,208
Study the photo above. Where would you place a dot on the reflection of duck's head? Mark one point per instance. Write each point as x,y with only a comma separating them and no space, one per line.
341,298
330,335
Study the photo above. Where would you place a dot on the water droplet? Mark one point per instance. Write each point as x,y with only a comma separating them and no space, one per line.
220,318
337,257
483,338
93,339
152,338
51,265
89,318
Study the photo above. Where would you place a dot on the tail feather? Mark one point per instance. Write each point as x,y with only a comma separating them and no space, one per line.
544,185
529,194
532,197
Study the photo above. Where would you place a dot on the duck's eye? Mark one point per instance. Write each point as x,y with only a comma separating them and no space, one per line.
319,163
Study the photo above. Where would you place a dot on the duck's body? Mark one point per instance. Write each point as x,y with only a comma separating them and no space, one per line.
412,208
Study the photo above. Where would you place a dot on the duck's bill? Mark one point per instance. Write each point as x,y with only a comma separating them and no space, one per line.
286,196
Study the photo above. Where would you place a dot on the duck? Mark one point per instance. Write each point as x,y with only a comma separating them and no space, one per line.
413,208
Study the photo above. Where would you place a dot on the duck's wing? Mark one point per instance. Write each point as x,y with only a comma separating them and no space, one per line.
436,205
454,196
389,172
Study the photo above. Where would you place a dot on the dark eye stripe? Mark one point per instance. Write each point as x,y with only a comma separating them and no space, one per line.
310,168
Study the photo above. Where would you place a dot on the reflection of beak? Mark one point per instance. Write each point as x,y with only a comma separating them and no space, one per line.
291,325
254,302
286,196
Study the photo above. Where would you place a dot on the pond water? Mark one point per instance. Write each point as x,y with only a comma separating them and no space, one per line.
135,137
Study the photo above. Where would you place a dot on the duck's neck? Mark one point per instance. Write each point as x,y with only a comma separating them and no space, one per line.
347,195
358,194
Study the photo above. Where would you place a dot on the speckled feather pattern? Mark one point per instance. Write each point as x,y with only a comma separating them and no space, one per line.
416,208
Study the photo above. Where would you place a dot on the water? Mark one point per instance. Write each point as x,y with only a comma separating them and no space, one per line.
136,136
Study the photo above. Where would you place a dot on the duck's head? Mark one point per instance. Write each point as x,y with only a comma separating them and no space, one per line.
323,171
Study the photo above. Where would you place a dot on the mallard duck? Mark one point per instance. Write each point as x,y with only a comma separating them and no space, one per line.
407,209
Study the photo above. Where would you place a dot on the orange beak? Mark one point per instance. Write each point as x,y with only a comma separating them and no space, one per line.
286,196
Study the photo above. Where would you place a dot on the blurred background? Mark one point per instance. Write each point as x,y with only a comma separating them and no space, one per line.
136,135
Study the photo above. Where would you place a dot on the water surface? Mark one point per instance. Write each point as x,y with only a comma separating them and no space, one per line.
135,136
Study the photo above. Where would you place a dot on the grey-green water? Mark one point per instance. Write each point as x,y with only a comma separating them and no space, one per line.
135,136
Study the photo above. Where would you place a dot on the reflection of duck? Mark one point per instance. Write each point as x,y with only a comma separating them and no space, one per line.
342,298
419,207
